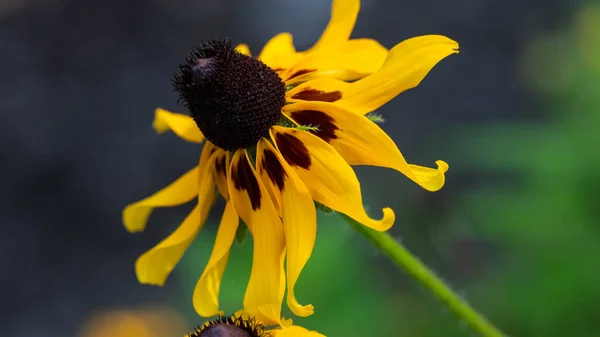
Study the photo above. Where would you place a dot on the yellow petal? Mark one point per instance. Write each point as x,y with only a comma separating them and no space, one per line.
207,151
271,174
298,215
243,48
184,189
405,67
266,287
341,24
154,266
183,125
361,142
295,331
221,172
359,57
279,52
206,293
330,180
340,74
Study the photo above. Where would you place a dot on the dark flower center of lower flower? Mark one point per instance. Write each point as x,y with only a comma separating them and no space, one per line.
233,98
230,326
223,330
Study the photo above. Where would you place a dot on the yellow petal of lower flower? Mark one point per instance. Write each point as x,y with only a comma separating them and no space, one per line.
154,266
266,287
341,24
182,125
206,293
360,57
279,52
295,331
182,190
330,180
298,215
405,67
243,48
361,142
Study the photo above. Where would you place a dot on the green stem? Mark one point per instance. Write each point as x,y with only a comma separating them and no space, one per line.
396,252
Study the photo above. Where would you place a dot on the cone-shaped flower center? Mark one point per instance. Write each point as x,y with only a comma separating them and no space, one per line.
224,330
233,98
229,326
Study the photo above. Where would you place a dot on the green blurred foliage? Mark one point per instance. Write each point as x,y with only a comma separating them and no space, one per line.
544,219
535,205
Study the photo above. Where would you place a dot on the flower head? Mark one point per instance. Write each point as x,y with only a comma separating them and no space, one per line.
282,131
243,326
230,326
234,98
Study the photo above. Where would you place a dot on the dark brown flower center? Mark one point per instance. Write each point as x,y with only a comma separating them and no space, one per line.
233,98
230,326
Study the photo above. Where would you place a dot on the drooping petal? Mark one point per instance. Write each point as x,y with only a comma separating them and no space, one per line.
266,287
182,125
206,293
154,266
361,142
207,151
221,172
340,26
352,60
243,48
184,189
273,178
279,52
405,67
295,331
330,180
297,212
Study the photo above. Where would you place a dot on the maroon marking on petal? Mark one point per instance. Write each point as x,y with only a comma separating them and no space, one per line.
277,69
244,179
293,150
270,163
318,95
323,121
301,72
220,165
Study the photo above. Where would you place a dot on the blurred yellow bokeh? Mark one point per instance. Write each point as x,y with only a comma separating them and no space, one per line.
135,322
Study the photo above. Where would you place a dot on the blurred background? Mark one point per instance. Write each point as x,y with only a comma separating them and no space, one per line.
514,230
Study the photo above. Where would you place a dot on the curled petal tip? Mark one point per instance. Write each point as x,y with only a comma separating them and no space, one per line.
442,166
389,217
302,310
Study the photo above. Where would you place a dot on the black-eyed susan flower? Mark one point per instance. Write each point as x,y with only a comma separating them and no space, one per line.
282,130
242,326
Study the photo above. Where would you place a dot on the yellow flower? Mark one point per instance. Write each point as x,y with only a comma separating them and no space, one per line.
281,131
243,326
139,322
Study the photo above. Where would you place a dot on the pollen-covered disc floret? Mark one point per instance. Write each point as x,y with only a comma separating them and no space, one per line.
230,326
233,98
